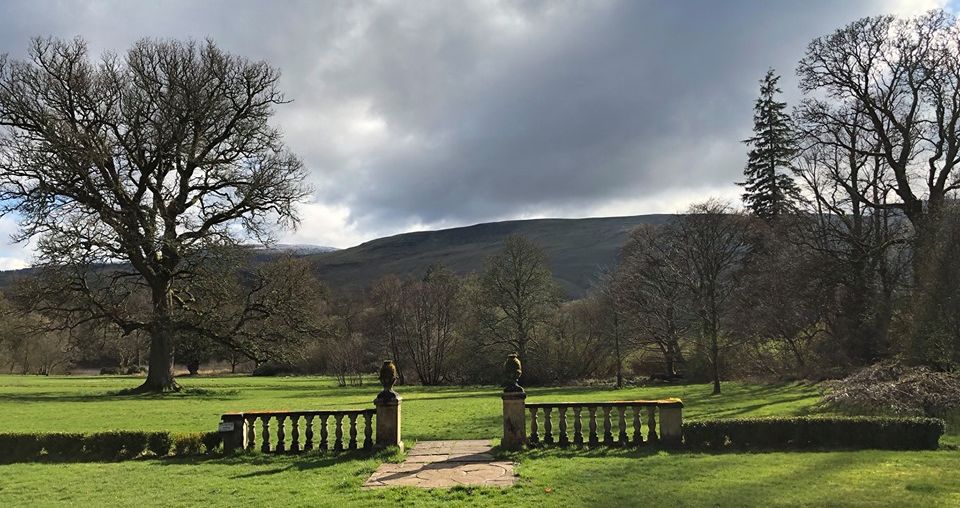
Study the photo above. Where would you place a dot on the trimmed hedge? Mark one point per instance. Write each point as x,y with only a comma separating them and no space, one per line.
857,432
113,445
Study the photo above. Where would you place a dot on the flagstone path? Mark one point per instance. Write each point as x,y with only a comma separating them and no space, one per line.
445,464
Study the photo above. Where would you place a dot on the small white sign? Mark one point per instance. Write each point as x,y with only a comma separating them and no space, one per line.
226,426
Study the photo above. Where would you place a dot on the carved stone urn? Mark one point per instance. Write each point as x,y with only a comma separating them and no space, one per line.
388,378
511,374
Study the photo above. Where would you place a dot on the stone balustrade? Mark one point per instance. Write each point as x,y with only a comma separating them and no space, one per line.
628,418
336,430
298,431
593,424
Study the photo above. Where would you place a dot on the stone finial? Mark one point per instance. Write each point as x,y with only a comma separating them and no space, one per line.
388,378
511,374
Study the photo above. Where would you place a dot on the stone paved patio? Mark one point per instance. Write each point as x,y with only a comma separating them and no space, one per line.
445,464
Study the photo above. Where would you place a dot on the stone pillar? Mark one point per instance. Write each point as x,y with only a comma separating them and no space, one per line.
514,406
514,420
388,409
671,424
233,432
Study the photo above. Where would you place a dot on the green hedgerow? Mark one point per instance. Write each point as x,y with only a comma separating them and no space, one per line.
211,442
188,443
159,443
62,446
19,447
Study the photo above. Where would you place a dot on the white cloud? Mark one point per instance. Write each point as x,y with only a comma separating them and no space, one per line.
915,7
12,263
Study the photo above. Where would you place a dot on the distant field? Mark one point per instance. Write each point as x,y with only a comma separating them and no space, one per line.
553,478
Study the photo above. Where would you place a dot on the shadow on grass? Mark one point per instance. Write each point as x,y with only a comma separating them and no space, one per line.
186,393
307,461
680,451
304,460
707,482
742,410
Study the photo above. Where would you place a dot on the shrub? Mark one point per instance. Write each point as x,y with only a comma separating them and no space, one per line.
159,443
896,389
19,447
273,368
62,446
211,441
815,432
188,443
115,445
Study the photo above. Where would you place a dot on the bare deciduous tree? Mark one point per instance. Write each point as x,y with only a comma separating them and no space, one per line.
848,223
145,160
903,77
647,288
713,246
432,308
518,295
387,296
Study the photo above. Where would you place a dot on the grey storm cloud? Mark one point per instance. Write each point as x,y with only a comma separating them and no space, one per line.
453,112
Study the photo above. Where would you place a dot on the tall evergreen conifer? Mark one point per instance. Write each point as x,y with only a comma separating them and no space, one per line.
769,191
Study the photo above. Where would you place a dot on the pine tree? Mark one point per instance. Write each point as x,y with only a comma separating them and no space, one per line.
769,191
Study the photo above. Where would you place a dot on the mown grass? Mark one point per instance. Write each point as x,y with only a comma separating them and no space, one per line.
88,404
548,478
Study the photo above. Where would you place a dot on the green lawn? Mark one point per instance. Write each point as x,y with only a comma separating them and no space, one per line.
551,478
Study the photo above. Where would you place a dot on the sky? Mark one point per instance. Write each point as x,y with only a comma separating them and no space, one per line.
416,114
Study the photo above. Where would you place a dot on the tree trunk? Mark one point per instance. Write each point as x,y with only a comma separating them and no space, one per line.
619,353
715,361
160,364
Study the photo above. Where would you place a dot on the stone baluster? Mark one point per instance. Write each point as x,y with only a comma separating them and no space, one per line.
367,430
607,434
652,424
308,437
534,437
622,425
338,432
323,432
295,433
594,441
547,426
265,432
251,433
353,431
637,434
281,436
577,427
562,418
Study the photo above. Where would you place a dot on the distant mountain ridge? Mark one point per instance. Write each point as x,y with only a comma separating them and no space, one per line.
576,250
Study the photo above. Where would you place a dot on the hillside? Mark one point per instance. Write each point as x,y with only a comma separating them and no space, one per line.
575,248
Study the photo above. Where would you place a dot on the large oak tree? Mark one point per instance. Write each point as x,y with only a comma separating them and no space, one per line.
145,160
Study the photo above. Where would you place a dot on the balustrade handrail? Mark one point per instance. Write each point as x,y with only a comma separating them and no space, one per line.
616,403
302,412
